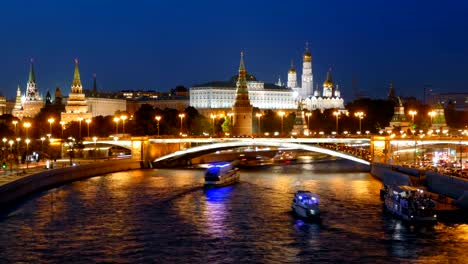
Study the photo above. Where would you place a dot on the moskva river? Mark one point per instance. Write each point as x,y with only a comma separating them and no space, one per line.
166,216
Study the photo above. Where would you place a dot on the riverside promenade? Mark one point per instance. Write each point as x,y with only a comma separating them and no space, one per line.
20,182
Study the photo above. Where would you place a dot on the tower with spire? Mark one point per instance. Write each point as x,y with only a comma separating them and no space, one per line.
242,109
33,102
31,86
18,108
76,107
292,77
307,77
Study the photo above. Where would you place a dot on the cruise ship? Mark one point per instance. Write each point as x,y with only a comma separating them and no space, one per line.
410,204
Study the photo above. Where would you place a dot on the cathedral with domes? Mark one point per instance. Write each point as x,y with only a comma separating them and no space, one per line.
328,98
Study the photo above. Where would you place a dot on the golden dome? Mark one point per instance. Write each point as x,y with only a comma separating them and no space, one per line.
328,82
292,70
307,56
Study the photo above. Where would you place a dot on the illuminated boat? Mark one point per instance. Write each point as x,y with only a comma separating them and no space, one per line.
221,174
306,205
410,204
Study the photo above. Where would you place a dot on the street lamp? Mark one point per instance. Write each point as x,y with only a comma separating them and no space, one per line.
337,115
11,145
123,118
308,114
62,123
79,120
17,146
360,116
412,113
27,152
259,115
88,121
51,121
27,125
281,114
116,120
432,114
181,118
42,144
158,118
4,141
213,116
15,122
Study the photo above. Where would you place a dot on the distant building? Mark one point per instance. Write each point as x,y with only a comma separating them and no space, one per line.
3,105
162,102
459,100
105,106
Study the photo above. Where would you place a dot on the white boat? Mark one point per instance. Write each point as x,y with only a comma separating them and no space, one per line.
221,174
306,205
410,204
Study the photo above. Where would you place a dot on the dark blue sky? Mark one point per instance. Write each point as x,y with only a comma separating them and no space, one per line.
160,44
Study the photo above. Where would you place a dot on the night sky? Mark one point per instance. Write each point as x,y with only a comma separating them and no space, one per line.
160,44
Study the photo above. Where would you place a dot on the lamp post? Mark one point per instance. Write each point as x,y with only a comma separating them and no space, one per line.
51,121
4,141
181,119
281,114
27,125
15,122
71,143
213,117
11,145
17,146
62,123
414,155
79,120
337,115
308,114
412,113
42,144
158,118
432,114
88,121
360,116
259,116
123,118
95,139
27,152
116,120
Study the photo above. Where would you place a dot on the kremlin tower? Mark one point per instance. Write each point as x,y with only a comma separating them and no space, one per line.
33,102
76,108
242,109
307,77
18,108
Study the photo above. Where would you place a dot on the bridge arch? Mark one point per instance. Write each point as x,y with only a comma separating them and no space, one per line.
264,143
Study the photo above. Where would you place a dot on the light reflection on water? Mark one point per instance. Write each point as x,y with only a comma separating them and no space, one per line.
166,215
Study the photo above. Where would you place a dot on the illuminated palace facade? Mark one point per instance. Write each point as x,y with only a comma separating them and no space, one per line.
221,94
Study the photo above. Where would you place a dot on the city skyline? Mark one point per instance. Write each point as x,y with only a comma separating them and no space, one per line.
158,46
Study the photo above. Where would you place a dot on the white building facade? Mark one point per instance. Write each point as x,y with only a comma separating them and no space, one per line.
221,95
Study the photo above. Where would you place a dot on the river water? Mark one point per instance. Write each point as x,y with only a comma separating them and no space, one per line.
166,216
